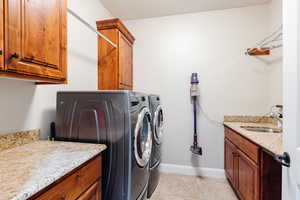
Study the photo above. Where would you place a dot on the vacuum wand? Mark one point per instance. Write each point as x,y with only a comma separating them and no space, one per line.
195,93
195,122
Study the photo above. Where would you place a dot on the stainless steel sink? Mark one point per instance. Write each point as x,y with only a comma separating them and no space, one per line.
262,129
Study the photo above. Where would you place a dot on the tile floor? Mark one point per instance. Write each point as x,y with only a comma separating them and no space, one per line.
181,187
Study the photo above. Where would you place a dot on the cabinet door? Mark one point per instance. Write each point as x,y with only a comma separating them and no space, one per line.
36,37
248,178
1,36
124,87
125,62
93,193
230,152
108,61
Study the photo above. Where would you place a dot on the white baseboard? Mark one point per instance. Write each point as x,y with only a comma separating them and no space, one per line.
194,171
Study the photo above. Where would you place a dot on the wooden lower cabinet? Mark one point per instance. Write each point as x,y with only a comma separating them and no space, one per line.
252,173
1,35
230,159
93,193
82,183
247,179
271,176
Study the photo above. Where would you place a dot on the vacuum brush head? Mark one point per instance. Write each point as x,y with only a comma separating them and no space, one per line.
196,150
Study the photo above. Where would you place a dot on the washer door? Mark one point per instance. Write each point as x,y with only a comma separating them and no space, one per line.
143,140
158,124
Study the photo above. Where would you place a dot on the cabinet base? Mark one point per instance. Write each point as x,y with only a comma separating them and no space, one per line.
35,79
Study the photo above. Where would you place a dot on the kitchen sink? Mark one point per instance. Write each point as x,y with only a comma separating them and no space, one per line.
262,129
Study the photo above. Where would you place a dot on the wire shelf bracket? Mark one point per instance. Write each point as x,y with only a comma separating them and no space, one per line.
269,43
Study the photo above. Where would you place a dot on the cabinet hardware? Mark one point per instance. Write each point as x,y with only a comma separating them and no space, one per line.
78,176
63,197
284,159
14,55
235,154
1,52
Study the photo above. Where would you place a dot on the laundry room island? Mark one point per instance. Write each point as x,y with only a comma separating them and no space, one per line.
37,169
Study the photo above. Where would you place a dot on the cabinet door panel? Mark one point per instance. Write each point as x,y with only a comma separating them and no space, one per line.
243,144
229,160
71,187
93,193
125,62
1,36
125,87
248,174
36,35
108,61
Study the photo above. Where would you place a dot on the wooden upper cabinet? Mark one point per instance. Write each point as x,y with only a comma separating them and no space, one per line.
36,39
1,35
115,66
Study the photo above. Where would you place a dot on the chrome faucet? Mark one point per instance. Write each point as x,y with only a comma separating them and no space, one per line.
277,114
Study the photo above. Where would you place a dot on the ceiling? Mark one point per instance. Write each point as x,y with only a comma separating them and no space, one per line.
137,9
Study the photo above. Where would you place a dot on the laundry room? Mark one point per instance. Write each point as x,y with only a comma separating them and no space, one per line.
158,100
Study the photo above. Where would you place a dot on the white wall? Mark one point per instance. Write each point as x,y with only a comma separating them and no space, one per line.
26,106
169,49
274,61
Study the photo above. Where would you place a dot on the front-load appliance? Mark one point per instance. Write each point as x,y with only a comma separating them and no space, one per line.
122,121
157,122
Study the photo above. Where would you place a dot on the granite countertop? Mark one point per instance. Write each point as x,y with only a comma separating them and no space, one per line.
26,169
272,142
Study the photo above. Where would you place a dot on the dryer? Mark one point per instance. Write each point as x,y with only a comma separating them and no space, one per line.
122,121
157,122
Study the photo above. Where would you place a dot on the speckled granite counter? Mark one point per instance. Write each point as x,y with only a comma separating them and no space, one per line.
28,168
272,142
19,138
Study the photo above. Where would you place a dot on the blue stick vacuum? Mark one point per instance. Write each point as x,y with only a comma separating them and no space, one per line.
195,93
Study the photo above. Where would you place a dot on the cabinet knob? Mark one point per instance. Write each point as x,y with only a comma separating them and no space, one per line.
1,52
63,197
235,154
284,159
14,55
